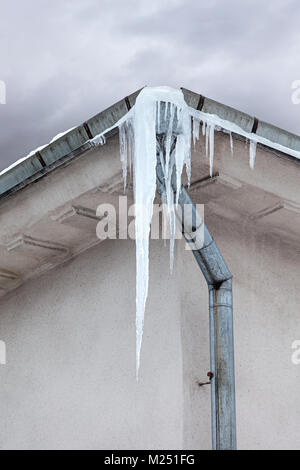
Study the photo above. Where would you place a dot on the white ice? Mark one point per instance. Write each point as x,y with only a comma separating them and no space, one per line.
138,129
253,146
138,146
231,142
145,123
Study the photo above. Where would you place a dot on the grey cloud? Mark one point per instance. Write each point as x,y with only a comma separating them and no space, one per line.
64,61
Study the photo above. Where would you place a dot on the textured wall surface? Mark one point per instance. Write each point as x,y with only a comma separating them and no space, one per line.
70,383
70,376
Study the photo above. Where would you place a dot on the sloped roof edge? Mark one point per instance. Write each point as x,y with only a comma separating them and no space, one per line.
76,141
246,122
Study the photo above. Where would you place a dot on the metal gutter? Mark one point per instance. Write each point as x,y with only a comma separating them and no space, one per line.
64,149
246,122
75,142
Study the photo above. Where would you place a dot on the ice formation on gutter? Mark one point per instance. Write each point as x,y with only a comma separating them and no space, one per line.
163,110
138,148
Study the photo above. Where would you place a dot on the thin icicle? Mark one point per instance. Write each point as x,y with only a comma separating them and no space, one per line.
253,146
169,134
158,116
211,149
166,105
130,139
196,131
123,151
186,124
231,143
163,110
207,132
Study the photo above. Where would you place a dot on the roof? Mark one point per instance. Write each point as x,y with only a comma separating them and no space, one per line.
77,141
45,224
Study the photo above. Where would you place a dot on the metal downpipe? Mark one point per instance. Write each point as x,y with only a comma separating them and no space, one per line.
219,281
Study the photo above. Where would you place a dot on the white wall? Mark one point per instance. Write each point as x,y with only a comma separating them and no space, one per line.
266,311
70,377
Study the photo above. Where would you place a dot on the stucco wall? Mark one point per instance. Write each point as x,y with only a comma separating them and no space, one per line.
70,377
266,311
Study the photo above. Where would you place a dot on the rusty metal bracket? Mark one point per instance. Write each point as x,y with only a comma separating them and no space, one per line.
210,375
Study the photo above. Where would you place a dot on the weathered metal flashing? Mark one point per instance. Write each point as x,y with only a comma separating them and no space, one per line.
201,103
243,120
246,122
128,103
69,146
75,142
265,148
255,126
44,171
87,130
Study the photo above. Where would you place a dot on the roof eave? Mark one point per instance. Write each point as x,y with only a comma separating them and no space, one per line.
76,142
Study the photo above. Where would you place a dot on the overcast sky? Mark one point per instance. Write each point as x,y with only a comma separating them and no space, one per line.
65,60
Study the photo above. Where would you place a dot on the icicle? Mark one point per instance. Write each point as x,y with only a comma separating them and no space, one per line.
187,159
188,171
253,146
138,129
172,220
168,171
169,133
123,151
166,109
130,143
196,131
211,148
158,116
144,191
98,140
231,143
165,220
207,132
179,158
146,113
187,129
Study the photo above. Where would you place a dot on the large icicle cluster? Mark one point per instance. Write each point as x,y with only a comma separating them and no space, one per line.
163,111
138,145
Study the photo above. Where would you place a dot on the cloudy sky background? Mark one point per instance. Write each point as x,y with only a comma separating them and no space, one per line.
65,60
